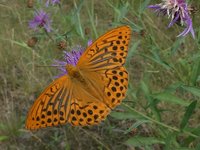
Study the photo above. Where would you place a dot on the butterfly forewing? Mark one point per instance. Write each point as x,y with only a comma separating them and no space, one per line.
108,51
52,106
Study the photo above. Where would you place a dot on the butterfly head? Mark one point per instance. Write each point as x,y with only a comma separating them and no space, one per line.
74,72
71,69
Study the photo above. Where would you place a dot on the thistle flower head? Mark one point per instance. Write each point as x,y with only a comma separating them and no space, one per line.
71,58
178,11
40,20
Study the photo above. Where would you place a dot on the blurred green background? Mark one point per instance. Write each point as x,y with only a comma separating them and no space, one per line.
161,110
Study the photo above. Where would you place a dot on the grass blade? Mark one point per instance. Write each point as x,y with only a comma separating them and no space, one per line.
136,125
3,137
132,51
125,115
143,141
194,90
168,97
195,72
188,114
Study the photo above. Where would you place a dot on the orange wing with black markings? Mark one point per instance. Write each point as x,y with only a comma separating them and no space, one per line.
58,105
88,99
107,56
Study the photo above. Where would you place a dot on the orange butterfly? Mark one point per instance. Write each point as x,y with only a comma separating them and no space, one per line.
86,95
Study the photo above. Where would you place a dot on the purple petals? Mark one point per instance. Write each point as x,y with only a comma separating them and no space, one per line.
40,20
70,58
178,11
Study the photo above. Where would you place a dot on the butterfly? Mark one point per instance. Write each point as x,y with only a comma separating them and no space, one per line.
90,90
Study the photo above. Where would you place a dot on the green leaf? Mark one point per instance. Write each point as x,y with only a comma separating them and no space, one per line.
145,88
125,115
194,90
132,92
195,72
171,141
173,87
193,130
2,126
176,46
188,114
168,97
143,6
156,60
142,141
135,125
3,137
152,103
197,147
132,51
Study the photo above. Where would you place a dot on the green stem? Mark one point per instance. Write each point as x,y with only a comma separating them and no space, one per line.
160,123
49,36
78,18
92,18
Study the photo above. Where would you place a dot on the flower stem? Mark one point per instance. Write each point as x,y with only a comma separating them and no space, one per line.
92,18
78,17
159,123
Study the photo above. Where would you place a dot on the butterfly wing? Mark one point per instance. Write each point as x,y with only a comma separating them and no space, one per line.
108,51
64,102
102,67
87,113
52,106
106,56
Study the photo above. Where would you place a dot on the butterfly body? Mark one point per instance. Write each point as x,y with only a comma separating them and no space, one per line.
75,74
89,90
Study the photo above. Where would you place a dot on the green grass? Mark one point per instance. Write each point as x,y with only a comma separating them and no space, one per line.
161,110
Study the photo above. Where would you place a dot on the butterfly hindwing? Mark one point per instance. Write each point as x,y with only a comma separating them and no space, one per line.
91,113
116,86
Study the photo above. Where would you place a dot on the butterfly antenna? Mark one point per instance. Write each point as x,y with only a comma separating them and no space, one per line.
50,65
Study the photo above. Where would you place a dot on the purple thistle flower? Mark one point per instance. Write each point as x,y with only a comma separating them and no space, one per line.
41,19
69,58
53,2
178,11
